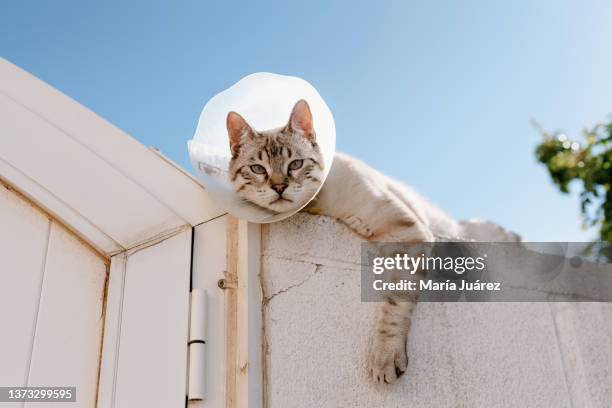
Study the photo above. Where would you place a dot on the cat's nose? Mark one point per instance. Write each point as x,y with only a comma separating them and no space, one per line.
280,188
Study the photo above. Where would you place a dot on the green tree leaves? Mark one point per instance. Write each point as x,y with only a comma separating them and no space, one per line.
589,162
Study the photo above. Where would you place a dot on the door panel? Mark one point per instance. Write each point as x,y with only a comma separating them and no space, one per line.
51,301
70,319
24,232
145,344
209,264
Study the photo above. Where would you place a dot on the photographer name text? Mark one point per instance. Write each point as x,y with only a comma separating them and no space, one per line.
432,285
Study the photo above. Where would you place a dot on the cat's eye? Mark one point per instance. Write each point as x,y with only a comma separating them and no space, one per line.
296,164
258,169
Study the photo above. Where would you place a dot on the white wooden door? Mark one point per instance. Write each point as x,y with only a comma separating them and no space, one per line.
51,303
138,210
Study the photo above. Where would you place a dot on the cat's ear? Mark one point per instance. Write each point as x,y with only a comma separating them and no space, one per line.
236,128
301,120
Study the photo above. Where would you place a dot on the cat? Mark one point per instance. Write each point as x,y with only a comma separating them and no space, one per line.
373,205
277,170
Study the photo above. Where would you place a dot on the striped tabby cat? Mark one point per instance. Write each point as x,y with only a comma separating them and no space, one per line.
280,170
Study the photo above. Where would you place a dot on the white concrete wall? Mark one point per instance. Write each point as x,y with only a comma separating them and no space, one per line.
461,354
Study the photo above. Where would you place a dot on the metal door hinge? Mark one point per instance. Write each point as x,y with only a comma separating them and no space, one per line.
196,389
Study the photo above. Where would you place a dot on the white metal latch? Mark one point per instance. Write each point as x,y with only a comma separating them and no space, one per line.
196,389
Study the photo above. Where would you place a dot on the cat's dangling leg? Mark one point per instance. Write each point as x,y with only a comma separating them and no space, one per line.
387,357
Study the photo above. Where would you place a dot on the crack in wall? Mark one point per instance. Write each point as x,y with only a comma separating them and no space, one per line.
317,271
570,354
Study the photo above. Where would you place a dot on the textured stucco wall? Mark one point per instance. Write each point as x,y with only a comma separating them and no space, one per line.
461,354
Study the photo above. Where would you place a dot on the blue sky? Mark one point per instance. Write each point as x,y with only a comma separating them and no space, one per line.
436,94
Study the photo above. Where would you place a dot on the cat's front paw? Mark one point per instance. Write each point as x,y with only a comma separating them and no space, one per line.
387,359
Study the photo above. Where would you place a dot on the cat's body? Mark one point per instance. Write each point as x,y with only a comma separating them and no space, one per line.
370,203
378,207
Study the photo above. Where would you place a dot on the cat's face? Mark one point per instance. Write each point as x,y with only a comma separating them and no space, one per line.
279,169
